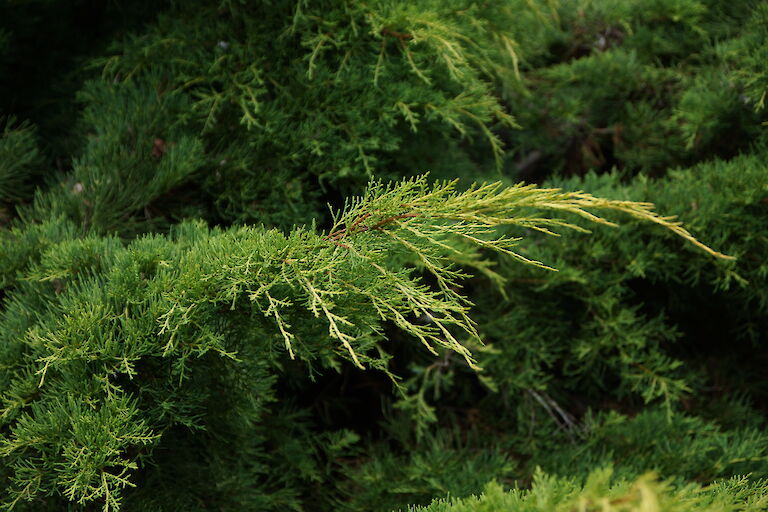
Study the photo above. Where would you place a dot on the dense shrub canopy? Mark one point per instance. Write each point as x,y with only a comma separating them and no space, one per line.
271,255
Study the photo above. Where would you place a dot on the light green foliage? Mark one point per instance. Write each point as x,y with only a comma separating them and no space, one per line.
91,467
601,492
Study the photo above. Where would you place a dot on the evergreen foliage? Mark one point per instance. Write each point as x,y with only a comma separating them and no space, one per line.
127,344
355,89
204,307
20,161
636,324
642,86
600,493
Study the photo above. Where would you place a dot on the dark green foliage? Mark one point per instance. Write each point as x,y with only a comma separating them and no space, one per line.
43,47
677,447
640,85
635,325
748,53
349,87
203,307
445,463
126,165
20,161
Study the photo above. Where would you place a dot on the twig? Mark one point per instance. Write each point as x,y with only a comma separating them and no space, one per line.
356,227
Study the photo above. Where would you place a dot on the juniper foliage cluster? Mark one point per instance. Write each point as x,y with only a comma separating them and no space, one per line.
227,283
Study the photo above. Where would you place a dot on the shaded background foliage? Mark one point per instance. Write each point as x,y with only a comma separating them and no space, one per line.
127,119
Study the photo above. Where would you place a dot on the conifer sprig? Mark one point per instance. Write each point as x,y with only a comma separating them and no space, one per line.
432,222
